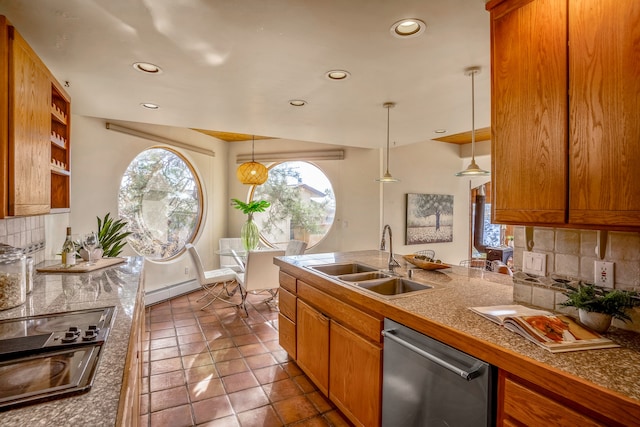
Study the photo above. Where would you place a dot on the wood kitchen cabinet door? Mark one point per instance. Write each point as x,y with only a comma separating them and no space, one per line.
529,112
29,145
355,376
604,100
312,333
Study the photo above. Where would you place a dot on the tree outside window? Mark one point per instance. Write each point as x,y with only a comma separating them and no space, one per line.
302,204
160,197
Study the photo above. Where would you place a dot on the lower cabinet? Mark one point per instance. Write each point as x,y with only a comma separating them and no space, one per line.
521,404
335,347
355,375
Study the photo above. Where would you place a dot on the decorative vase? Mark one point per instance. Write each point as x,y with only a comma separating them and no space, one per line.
250,235
599,322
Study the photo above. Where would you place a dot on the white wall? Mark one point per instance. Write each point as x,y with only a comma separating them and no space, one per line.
99,158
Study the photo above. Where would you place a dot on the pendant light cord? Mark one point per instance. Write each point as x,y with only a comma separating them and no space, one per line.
388,108
253,141
473,116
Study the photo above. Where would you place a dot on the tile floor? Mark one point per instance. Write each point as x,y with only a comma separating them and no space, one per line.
215,367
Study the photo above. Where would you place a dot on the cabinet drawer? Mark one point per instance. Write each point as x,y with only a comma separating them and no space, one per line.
288,282
287,303
345,314
287,335
526,406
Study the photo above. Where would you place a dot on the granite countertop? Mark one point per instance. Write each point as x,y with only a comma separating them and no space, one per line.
457,288
112,286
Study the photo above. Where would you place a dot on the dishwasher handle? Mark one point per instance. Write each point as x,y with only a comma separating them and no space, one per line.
467,375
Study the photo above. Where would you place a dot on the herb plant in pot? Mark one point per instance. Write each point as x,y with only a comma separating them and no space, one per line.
249,234
597,306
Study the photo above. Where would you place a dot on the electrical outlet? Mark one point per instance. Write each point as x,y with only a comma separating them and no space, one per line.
603,274
186,271
534,263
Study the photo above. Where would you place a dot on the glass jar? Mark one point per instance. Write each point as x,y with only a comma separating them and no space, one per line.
29,274
13,285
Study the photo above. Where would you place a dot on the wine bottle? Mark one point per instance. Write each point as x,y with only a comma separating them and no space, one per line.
68,251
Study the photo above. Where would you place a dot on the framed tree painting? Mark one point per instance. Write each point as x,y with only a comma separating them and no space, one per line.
429,218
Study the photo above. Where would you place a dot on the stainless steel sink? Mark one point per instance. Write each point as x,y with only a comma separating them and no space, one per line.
367,275
392,286
341,269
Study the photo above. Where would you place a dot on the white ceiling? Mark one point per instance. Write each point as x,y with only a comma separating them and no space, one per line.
234,65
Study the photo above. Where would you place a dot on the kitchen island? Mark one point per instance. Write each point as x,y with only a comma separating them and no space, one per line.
597,387
113,397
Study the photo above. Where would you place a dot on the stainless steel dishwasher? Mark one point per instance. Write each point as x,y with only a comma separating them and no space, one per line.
428,383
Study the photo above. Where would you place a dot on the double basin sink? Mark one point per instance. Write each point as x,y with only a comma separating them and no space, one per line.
371,279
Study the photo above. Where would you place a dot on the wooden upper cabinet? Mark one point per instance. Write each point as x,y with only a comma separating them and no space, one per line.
604,112
565,103
29,128
529,112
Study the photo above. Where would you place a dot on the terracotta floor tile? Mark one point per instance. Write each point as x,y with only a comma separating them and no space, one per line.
295,409
281,356
321,403
245,400
225,354
190,338
252,349
208,319
336,419
245,339
195,360
238,330
154,326
202,390
304,383
165,365
186,330
162,333
174,417
164,353
155,344
318,421
240,381
211,409
194,348
281,390
144,403
230,421
270,374
218,338
166,380
292,369
168,398
231,367
200,373
264,416
260,361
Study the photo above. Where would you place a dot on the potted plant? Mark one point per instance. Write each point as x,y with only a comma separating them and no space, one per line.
249,234
597,306
110,236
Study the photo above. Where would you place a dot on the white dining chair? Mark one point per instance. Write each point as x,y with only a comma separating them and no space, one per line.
295,247
221,278
260,274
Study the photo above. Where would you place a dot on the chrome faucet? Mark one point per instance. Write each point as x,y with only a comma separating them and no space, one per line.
392,261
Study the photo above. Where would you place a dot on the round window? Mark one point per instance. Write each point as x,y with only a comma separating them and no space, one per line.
161,198
303,204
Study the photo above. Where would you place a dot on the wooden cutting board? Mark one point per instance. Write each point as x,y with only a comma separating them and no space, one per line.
81,267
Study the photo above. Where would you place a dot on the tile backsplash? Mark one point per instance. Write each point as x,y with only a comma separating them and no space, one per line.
570,256
26,233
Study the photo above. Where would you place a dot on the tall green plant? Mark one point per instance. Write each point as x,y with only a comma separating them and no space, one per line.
112,239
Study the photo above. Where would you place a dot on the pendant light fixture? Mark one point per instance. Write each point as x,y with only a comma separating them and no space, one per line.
252,173
473,169
387,176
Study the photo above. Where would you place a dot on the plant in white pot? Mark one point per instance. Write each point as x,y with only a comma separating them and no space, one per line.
598,306
249,234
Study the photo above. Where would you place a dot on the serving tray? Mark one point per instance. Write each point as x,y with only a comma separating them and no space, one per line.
424,264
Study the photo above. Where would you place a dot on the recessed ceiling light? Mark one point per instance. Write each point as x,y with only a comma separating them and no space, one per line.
147,67
408,28
150,106
337,75
440,131
298,102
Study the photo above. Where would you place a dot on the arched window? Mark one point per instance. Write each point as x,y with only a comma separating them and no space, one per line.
161,198
303,204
